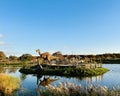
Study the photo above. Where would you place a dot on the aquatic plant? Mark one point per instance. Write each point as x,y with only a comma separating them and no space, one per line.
69,89
8,84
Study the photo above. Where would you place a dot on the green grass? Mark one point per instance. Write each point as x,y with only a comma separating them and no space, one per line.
67,71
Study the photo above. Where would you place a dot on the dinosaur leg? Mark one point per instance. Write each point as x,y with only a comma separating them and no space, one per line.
49,60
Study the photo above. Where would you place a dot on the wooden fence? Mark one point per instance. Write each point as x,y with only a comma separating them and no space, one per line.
82,65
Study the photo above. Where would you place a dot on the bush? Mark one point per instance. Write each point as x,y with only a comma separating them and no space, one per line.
8,84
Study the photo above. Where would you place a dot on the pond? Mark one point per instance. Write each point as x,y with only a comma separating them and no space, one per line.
29,83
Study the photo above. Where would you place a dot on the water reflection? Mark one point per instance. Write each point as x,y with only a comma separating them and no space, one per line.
23,77
90,80
31,82
8,69
45,80
38,78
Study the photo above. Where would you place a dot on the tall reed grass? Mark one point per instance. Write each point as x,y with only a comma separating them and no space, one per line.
8,84
69,89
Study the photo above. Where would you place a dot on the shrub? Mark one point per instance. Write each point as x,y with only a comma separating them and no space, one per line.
8,84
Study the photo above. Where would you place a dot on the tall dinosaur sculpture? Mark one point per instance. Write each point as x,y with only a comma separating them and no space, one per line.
46,56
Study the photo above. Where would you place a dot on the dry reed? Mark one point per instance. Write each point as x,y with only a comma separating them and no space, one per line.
8,84
69,89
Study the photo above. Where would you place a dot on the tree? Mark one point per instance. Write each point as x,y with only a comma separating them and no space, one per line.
13,58
59,55
26,57
2,56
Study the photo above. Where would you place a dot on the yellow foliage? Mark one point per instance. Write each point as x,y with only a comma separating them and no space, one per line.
8,84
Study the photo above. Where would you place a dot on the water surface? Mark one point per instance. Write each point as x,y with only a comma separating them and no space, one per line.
29,83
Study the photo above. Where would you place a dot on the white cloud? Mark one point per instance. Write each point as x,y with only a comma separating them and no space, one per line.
8,53
1,35
1,43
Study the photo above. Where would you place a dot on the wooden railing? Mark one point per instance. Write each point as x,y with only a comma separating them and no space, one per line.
82,65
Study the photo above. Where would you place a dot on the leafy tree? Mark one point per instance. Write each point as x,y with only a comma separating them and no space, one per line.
2,56
117,55
26,57
13,58
114,56
59,55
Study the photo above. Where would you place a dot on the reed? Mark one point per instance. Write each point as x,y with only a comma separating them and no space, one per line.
8,84
69,89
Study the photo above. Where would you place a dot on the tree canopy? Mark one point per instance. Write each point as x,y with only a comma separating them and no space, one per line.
2,56
26,57
13,58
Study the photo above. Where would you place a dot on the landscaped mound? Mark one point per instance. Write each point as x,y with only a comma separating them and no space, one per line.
67,71
8,84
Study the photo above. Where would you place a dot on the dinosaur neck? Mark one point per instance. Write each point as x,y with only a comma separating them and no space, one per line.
39,53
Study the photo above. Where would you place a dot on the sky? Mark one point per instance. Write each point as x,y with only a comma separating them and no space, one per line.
69,26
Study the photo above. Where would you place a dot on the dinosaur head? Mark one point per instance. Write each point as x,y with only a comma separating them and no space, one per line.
38,51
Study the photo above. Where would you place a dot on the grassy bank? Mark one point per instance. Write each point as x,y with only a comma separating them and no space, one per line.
11,64
67,71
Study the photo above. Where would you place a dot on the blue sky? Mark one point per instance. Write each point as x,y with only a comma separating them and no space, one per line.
69,26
